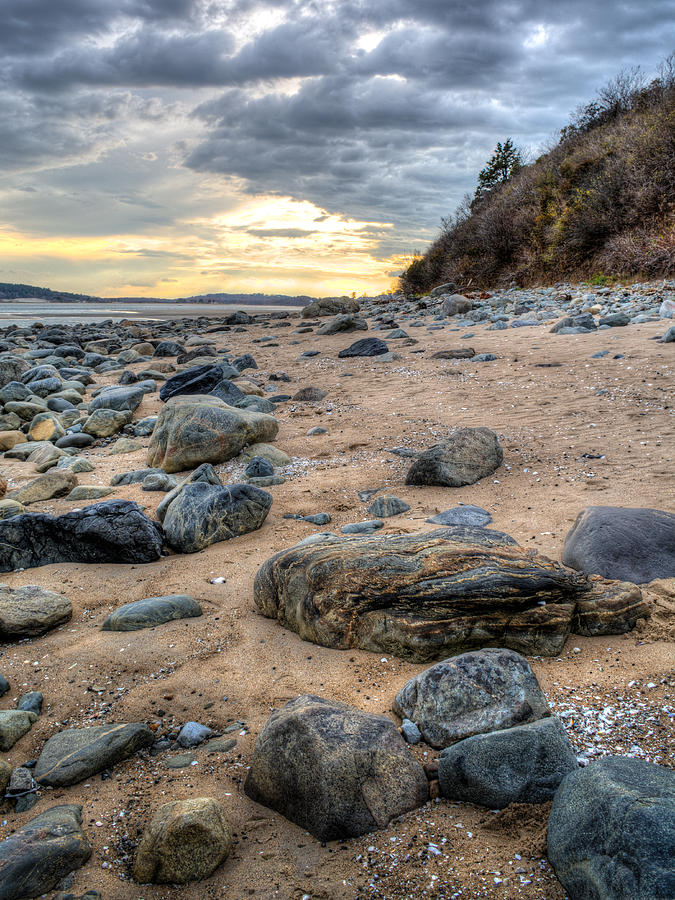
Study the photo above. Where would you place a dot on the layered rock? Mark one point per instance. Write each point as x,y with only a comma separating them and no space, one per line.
427,596
194,429
334,770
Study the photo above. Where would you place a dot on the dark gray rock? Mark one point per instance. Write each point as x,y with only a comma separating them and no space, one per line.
367,527
524,764
4,685
635,545
37,856
230,393
115,531
31,701
75,754
388,505
365,347
205,473
203,514
244,362
611,831
462,515
473,693
455,304
334,770
615,320
152,611
158,482
78,440
136,477
197,380
575,325
192,734
122,399
259,467
410,732
168,348
11,368
464,458
668,337
343,323
309,394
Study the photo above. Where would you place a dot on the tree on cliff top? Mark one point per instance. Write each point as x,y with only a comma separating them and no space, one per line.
504,163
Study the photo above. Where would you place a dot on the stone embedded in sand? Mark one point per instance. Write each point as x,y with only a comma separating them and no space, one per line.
194,429
524,764
56,483
186,840
77,753
202,514
388,505
309,394
459,353
152,611
104,423
343,323
334,770
426,596
464,458
365,347
14,723
473,693
635,545
115,531
611,831
31,610
39,854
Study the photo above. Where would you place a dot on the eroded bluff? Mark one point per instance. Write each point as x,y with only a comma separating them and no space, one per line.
427,596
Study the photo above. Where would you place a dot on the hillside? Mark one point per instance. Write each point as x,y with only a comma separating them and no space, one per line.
10,291
599,204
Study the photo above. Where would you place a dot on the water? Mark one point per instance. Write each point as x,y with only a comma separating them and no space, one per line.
25,312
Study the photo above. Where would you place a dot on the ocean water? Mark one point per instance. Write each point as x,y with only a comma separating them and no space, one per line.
25,312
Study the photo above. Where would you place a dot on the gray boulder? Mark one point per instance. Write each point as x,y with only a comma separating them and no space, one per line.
203,514
104,423
365,347
14,723
524,764
473,693
611,831
123,399
388,505
455,304
75,754
464,458
334,770
344,322
39,854
152,611
194,429
30,611
635,545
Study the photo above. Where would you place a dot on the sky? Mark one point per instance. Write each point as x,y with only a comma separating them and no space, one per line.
176,147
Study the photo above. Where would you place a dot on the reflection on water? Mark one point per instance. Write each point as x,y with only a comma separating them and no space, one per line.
25,312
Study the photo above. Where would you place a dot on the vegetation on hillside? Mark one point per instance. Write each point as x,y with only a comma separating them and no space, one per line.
600,202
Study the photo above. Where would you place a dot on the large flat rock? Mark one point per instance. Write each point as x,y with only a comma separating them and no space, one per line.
194,429
31,610
428,596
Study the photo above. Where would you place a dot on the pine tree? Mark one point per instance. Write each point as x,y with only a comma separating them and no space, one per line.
503,165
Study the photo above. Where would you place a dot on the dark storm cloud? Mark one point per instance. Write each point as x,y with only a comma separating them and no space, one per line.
381,109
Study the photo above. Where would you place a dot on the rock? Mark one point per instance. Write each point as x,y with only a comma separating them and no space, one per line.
37,856
9,508
144,427
460,353
615,320
229,392
80,440
5,776
120,398
486,357
462,515
158,482
115,531
195,429
197,380
31,701
11,368
425,596
258,467
365,347
410,732
151,612
268,451
243,362
14,723
4,685
135,477
309,394
611,831
464,458
186,840
330,306
334,770
628,544
473,693
76,754
667,309
103,423
9,439
524,764
362,527
89,492
204,473
76,464
192,734
45,427
388,505
168,348
316,430
31,610
56,483
454,304
668,337
203,514
345,322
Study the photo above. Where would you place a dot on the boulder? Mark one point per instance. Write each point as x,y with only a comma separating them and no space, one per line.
330,306
9,508
56,483
309,395
524,764
425,596
14,723
203,514
9,439
464,458
204,473
334,770
635,545
123,399
39,854
45,427
343,323
245,361
75,754
459,353
473,693
194,429
611,831
115,531
31,610
388,505
197,380
365,347
168,348
455,304
136,477
152,611
186,840
104,423
11,368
